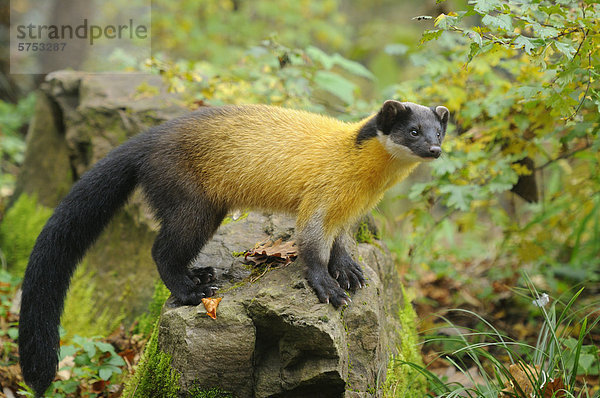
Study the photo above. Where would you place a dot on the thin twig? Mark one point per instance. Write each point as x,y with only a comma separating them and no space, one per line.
586,89
585,34
497,40
564,156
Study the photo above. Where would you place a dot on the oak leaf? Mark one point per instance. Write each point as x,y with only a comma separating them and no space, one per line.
269,251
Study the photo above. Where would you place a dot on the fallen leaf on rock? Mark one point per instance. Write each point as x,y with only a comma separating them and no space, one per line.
269,251
211,305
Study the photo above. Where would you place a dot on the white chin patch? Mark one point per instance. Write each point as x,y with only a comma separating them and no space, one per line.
398,151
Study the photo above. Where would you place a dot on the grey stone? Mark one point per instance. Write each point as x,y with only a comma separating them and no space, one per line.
297,346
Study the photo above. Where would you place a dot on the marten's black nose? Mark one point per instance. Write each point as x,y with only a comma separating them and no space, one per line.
435,150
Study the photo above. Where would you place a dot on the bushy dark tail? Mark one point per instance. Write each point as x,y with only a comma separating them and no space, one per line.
76,223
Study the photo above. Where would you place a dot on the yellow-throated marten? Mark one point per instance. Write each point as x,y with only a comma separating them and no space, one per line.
196,168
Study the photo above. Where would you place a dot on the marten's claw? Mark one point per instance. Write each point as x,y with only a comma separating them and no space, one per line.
328,290
202,275
348,273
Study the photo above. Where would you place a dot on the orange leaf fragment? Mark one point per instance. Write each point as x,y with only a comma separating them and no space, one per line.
211,304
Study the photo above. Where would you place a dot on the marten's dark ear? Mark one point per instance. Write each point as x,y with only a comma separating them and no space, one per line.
443,113
389,113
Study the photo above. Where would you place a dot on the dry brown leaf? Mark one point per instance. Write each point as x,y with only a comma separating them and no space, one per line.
554,388
99,386
128,355
269,251
10,377
525,376
211,305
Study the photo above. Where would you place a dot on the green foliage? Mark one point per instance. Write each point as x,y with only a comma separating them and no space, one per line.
552,364
19,229
220,31
86,361
272,73
9,331
518,78
147,320
364,234
154,376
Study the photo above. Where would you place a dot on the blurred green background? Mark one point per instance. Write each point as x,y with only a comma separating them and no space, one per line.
516,194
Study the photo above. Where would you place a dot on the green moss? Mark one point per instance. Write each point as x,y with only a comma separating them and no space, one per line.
230,219
112,122
19,229
363,234
404,380
154,376
147,320
198,392
236,285
81,316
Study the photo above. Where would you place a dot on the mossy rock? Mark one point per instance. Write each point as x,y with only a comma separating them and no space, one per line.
155,377
272,338
403,379
46,171
19,229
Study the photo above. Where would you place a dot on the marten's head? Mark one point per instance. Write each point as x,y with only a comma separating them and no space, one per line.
409,131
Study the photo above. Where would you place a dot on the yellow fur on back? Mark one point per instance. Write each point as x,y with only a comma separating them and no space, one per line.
277,159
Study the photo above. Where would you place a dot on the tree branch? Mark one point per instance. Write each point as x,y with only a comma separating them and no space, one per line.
564,156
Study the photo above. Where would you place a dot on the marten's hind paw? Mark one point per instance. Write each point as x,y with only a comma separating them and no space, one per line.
203,275
197,284
195,297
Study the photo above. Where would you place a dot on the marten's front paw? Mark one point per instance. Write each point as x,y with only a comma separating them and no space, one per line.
328,289
347,272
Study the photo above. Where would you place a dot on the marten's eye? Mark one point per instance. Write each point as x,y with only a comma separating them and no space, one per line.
414,133
439,134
